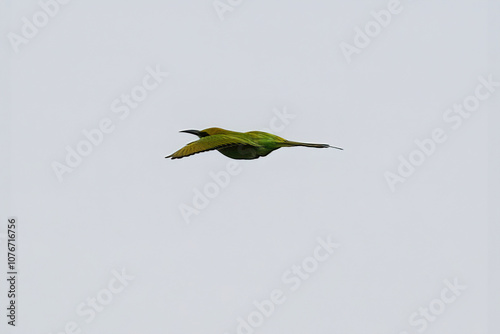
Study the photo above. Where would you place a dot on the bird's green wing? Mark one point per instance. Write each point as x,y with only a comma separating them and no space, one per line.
210,143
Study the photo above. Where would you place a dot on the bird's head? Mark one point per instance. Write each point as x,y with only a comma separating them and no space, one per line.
206,132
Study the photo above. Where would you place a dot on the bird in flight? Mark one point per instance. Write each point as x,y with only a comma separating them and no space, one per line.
237,145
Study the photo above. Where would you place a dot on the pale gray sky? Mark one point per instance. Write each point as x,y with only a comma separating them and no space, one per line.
189,246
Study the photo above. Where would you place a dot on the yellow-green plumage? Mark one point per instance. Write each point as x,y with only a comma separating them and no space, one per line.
237,145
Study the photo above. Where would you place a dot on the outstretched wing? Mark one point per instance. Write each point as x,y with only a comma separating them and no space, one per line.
210,143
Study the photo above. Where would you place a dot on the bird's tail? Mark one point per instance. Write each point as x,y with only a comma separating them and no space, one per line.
288,143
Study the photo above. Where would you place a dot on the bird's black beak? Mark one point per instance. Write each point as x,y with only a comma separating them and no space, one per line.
193,132
200,134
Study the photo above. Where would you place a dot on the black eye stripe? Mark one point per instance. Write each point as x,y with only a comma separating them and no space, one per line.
204,134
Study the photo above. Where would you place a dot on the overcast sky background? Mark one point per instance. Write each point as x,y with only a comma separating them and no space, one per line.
120,208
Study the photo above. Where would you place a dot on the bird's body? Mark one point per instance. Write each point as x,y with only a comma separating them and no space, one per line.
237,145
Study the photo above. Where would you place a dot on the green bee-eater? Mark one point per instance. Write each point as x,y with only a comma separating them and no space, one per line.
237,145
